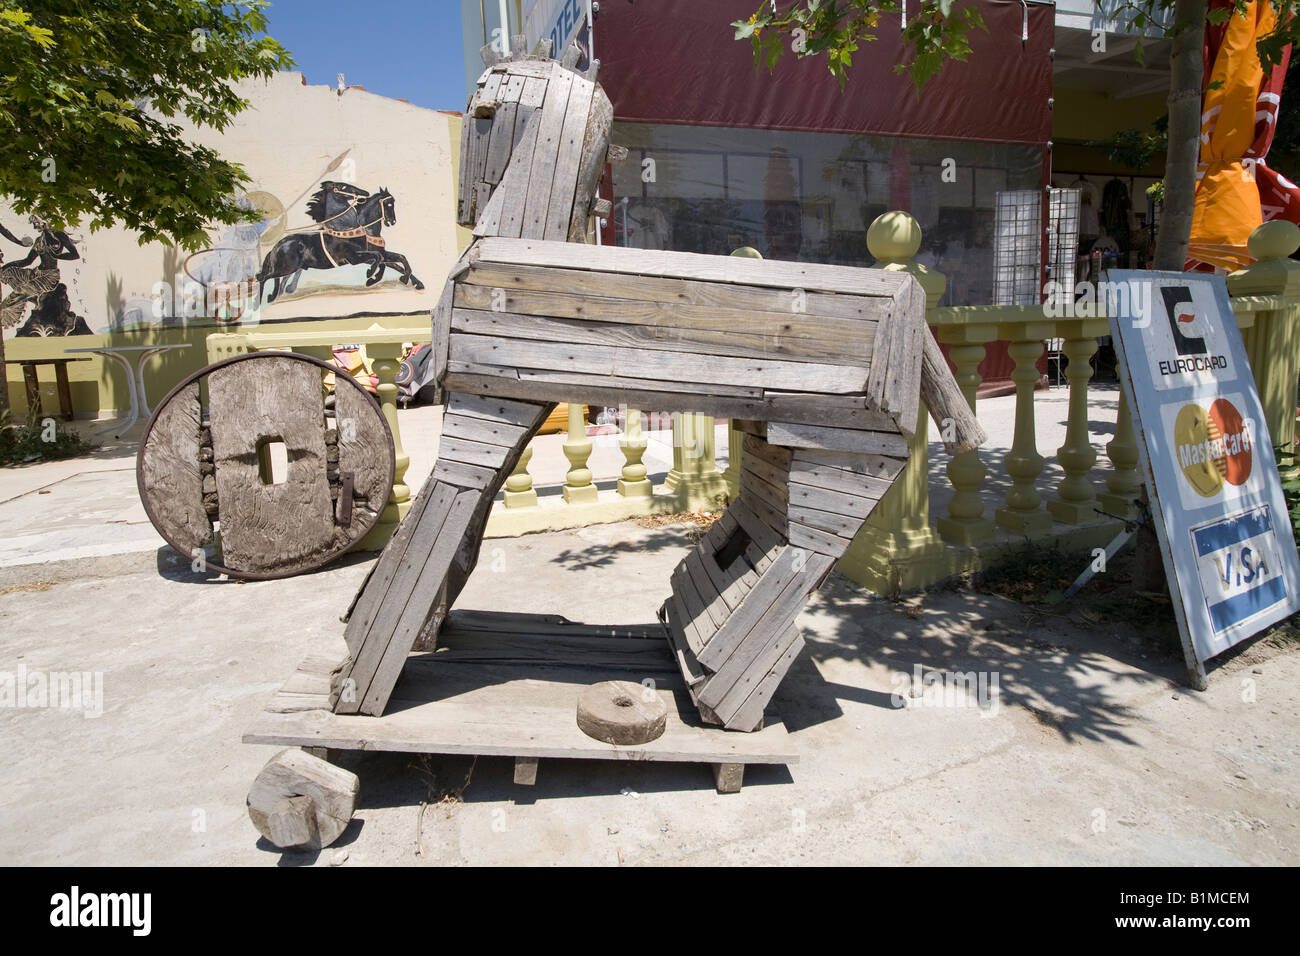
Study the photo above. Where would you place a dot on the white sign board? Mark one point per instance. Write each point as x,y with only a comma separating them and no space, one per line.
1216,498
558,19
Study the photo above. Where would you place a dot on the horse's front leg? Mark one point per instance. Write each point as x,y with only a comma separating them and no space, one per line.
407,275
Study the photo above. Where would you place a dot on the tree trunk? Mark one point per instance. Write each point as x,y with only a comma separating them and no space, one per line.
1187,70
4,375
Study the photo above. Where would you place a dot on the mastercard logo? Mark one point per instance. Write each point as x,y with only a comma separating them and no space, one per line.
1213,446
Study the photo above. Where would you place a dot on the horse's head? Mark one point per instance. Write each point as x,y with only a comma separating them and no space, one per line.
532,117
387,206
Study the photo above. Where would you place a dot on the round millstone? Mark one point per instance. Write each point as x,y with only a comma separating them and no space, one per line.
622,712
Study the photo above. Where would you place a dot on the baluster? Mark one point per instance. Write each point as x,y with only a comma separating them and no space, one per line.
965,523
578,489
1076,501
634,483
1023,513
694,477
520,492
735,448
386,361
1123,482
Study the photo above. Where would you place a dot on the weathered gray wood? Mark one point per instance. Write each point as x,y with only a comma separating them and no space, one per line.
494,710
675,626
795,435
542,174
943,397
270,527
526,771
750,714
595,146
480,430
813,277
470,452
768,657
170,481
728,777
564,180
811,498
717,400
489,55
365,451
521,414
669,366
734,299
502,139
542,50
772,586
572,54
754,648
518,46
668,325
331,792
818,541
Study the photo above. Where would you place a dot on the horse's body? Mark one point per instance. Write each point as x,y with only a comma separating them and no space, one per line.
823,368
350,222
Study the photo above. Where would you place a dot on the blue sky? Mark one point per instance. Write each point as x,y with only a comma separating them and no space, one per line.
406,49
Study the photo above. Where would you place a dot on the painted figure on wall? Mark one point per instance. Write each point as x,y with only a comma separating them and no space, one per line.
34,281
348,231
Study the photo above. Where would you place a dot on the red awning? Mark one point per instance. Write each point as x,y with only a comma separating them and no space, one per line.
675,61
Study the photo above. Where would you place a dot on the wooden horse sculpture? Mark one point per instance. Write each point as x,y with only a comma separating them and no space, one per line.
823,368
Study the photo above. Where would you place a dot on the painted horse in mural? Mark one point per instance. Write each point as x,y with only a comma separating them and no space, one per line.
827,370
350,222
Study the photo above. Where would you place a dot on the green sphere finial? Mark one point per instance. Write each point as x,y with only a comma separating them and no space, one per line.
747,252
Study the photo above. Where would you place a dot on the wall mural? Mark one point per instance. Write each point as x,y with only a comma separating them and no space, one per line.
35,284
335,248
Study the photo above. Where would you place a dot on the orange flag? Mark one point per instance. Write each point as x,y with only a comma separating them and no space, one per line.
1227,196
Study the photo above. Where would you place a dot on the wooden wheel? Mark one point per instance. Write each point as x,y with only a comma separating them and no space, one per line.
247,448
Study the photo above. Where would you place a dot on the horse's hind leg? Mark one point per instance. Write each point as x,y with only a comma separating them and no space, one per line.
423,567
737,595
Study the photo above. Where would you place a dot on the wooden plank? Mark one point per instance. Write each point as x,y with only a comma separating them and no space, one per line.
401,621
769,658
465,475
526,771
781,604
522,414
697,628
169,471
809,497
807,474
818,541
750,714
668,326
903,392
373,618
440,334
564,180
470,452
504,213
481,430
365,449
770,589
720,401
541,178
502,140
795,435
697,582
491,711
464,185
530,100
270,526
855,313
688,665
622,361
373,590
595,146
813,277
845,526
943,398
